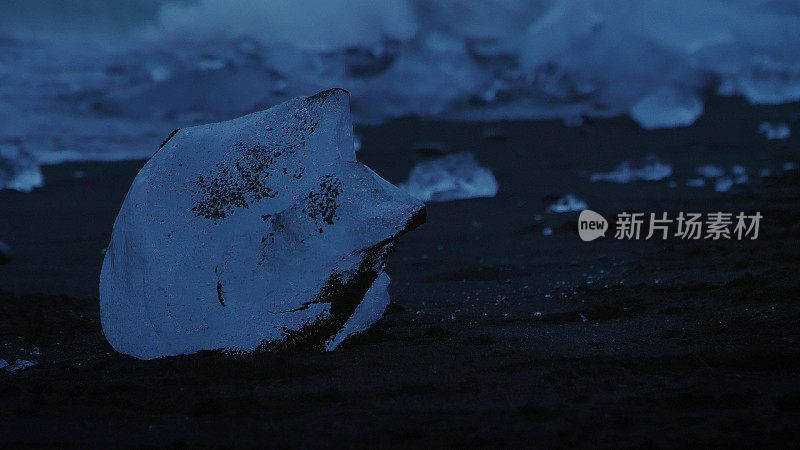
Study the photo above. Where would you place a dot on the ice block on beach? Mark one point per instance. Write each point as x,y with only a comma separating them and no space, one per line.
261,231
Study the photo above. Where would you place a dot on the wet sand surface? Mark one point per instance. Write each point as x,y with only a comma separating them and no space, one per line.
497,334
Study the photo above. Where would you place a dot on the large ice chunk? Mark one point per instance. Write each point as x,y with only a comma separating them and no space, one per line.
19,170
451,177
261,231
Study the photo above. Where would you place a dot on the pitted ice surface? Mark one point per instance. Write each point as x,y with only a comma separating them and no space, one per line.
260,231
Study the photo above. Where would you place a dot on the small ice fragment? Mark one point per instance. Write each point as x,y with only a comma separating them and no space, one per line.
19,170
696,182
547,231
710,171
774,130
766,173
723,184
583,317
21,364
547,295
538,217
789,166
451,177
356,142
672,184
740,174
567,203
537,314
78,174
3,363
652,170
667,107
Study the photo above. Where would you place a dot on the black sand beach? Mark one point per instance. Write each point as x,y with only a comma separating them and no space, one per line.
497,335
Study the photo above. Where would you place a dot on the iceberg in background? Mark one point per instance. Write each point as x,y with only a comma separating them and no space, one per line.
105,80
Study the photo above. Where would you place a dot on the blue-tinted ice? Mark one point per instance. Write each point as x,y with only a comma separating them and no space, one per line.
19,170
451,177
261,231
88,96
652,169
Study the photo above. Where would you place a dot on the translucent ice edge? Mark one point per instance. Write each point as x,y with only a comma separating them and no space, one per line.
651,170
451,177
567,203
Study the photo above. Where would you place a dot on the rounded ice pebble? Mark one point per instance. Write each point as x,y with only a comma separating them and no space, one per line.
257,232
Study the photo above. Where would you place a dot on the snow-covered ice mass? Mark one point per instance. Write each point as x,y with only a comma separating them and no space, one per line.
261,231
